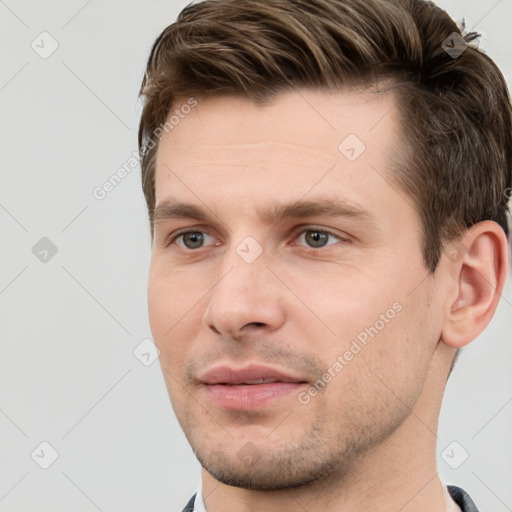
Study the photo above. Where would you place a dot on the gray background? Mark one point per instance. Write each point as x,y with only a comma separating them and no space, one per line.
70,324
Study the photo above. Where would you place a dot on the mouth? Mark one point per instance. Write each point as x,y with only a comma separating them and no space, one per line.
249,388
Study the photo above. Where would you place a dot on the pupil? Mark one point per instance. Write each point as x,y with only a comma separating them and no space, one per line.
316,238
193,240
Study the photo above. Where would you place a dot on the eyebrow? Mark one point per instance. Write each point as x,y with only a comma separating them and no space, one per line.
318,207
171,208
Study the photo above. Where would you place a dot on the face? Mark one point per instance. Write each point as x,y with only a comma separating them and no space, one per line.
287,291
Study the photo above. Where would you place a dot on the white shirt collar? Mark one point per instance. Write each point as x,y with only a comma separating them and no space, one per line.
199,502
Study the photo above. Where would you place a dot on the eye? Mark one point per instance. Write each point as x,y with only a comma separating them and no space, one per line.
317,238
192,239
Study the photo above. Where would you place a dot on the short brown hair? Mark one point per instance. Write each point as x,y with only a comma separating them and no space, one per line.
455,107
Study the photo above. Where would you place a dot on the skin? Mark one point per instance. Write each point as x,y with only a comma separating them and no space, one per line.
367,441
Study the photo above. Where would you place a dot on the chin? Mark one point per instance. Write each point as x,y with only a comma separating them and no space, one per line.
250,469
260,479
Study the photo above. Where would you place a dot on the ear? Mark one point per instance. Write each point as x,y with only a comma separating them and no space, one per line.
479,264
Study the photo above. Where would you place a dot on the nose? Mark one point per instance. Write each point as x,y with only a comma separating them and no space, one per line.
245,299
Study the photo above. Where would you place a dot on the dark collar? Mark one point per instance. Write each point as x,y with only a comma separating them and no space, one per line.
462,499
190,505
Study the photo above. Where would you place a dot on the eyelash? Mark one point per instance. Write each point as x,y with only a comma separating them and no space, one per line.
296,236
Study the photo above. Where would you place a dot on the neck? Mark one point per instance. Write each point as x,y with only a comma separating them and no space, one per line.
398,475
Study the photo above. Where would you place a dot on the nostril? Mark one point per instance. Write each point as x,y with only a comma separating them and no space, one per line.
214,329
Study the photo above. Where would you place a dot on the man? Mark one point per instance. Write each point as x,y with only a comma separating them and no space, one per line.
327,186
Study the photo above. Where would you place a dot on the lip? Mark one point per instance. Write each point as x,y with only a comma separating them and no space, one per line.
236,389
229,375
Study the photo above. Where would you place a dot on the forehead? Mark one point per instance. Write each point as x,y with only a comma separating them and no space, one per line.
300,140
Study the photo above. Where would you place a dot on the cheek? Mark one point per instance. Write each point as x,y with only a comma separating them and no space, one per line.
161,302
169,310
348,301
397,359
374,318
172,295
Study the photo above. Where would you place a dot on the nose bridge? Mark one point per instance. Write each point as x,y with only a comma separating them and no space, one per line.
243,293
242,274
243,265
239,281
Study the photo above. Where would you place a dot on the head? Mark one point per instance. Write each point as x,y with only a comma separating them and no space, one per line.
344,183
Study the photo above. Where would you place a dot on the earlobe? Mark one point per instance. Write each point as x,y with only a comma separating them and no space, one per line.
480,272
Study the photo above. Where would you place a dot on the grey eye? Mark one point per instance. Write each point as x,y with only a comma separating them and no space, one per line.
193,239
316,238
